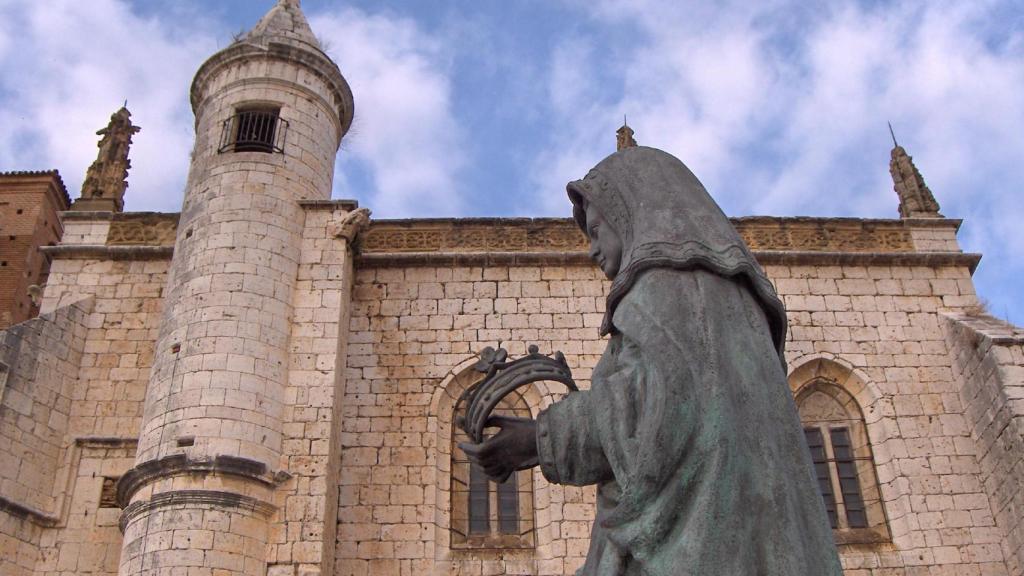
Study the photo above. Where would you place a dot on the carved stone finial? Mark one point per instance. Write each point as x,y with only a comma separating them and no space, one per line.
107,178
35,293
351,225
916,200
624,137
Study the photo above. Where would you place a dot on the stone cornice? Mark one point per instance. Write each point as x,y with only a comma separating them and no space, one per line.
579,258
331,205
103,252
180,464
28,513
561,235
213,498
89,215
926,259
550,241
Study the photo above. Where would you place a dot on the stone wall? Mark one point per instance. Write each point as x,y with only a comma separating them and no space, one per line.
988,362
88,540
302,532
105,408
122,329
39,362
415,329
883,325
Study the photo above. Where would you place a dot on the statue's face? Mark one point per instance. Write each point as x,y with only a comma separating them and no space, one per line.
605,244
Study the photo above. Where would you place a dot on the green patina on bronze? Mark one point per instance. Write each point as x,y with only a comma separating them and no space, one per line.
689,429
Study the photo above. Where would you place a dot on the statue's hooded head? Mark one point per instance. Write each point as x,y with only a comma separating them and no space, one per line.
664,217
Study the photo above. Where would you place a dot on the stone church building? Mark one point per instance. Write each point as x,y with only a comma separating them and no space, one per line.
264,384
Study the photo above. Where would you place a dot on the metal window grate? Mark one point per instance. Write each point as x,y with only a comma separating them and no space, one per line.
254,131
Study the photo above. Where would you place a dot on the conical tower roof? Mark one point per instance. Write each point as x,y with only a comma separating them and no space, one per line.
283,35
285,23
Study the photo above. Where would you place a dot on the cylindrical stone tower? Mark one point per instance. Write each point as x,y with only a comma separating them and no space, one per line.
271,110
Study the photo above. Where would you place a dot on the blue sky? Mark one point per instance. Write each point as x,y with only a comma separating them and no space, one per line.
487,108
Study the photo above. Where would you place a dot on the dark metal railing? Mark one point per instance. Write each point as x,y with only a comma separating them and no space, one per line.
254,131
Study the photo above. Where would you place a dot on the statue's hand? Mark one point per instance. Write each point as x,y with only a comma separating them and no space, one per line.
513,448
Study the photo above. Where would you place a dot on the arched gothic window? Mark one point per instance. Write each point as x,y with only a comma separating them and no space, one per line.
843,465
486,514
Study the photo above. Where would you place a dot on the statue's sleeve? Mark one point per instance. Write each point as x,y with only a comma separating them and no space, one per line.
568,445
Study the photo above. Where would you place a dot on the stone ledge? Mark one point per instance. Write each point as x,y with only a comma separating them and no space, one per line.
179,464
104,252
525,235
27,513
453,259
764,257
87,215
212,498
999,332
347,205
928,259
105,441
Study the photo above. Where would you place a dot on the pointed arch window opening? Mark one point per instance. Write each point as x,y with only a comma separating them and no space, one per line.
486,514
843,463
254,129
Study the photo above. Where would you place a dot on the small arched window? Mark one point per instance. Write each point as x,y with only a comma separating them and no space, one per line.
486,514
843,464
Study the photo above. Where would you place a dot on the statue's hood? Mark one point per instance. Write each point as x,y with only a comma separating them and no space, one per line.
665,218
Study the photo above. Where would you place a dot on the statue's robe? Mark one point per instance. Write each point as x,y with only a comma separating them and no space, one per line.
692,436
689,428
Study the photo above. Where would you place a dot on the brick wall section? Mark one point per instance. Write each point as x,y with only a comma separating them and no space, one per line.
41,358
29,203
412,327
988,361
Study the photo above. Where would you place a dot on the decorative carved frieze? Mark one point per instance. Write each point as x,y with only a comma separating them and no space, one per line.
562,235
539,235
824,235
143,229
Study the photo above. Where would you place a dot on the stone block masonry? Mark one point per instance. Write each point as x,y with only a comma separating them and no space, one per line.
39,363
415,329
988,362
213,449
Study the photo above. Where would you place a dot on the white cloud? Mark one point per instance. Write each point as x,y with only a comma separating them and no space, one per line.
781,109
404,135
75,64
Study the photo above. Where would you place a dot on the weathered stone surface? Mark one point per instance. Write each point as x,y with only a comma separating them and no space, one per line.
107,178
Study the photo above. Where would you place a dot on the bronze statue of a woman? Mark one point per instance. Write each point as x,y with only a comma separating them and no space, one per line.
689,428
